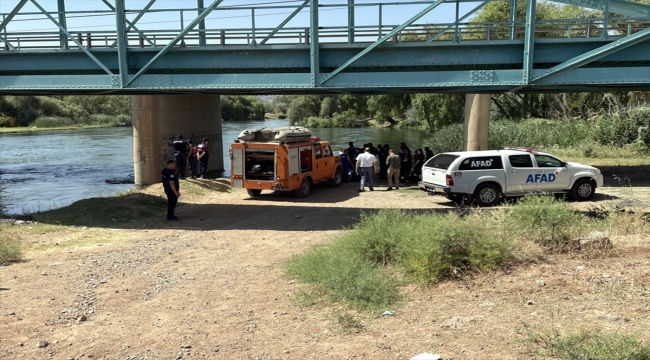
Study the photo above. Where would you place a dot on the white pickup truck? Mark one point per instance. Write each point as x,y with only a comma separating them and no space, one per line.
484,177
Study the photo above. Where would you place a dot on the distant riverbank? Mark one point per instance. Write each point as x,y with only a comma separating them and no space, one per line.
23,129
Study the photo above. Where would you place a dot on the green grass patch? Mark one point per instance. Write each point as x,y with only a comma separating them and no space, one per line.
586,344
366,266
10,246
548,222
105,212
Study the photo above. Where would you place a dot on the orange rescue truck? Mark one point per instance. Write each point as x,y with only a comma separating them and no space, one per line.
282,159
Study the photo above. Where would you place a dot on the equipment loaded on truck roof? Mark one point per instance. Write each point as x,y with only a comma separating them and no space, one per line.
282,159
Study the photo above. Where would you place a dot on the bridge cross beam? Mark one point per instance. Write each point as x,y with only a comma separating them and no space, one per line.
382,40
172,43
65,31
131,25
134,21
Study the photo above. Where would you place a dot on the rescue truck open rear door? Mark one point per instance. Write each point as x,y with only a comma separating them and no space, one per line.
237,161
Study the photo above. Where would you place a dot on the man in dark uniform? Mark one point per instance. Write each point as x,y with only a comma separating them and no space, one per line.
203,155
180,154
172,187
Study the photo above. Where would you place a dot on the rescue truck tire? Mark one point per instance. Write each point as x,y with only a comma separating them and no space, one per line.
487,195
337,179
583,189
253,192
304,190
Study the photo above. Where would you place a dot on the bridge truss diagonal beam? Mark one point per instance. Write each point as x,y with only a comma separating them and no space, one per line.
470,13
65,31
178,37
383,39
140,15
285,22
110,6
628,8
7,19
595,54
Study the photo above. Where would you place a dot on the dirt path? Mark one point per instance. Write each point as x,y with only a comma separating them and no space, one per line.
212,287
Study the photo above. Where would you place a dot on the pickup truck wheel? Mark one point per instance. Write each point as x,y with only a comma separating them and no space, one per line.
253,192
583,189
337,179
487,195
304,190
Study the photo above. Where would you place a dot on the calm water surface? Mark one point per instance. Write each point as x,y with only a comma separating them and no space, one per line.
50,169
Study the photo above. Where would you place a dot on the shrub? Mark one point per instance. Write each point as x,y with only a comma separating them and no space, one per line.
4,121
10,247
52,122
548,222
362,266
586,344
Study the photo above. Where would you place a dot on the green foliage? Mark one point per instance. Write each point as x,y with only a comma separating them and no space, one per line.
96,119
10,247
356,103
435,111
548,222
388,105
346,119
345,276
302,107
586,344
362,266
329,106
4,121
241,108
625,127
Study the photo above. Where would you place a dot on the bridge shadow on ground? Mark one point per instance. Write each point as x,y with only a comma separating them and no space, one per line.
626,176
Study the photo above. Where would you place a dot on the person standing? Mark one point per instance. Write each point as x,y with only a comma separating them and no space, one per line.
191,158
180,154
366,167
405,156
416,168
203,154
347,164
428,153
172,186
383,154
394,163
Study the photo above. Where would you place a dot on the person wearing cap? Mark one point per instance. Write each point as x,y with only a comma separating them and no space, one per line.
180,154
366,168
203,154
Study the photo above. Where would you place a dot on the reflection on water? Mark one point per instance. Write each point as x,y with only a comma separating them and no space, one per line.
51,169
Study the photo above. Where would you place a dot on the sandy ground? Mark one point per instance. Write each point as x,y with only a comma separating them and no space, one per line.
211,286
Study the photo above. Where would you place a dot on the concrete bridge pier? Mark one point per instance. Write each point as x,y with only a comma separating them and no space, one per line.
157,119
477,122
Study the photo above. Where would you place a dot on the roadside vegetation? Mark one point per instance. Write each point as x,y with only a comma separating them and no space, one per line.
366,266
585,344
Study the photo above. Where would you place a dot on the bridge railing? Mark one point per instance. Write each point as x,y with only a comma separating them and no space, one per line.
160,26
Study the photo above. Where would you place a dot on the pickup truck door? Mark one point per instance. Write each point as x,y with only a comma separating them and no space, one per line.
553,176
520,173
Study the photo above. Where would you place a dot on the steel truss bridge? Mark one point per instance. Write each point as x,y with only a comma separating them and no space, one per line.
559,55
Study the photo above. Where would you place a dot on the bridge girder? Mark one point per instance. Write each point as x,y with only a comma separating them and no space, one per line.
526,63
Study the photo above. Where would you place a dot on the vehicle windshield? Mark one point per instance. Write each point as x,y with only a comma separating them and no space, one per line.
441,161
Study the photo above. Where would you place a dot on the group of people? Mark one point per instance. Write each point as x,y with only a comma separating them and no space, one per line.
186,155
398,168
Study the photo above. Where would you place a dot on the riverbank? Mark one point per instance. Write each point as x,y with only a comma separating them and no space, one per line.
10,130
93,281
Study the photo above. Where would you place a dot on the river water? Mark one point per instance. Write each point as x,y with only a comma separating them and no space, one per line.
50,169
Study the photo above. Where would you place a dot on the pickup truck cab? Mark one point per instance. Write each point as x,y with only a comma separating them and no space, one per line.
484,177
282,159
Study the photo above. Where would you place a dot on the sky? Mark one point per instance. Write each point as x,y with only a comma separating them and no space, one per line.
394,12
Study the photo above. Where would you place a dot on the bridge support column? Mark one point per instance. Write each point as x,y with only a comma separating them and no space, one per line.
157,119
477,122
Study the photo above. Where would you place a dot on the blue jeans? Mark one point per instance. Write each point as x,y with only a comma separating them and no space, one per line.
366,175
346,175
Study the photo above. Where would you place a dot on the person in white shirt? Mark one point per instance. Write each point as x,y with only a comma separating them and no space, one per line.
366,168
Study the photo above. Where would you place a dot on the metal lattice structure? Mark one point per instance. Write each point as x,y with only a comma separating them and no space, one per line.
592,54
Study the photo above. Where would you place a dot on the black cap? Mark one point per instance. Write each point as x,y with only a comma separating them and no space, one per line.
205,139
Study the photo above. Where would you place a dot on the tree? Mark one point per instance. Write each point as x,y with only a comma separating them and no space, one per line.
302,107
435,111
329,106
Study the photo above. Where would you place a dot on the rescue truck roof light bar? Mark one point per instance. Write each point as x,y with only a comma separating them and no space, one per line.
521,148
